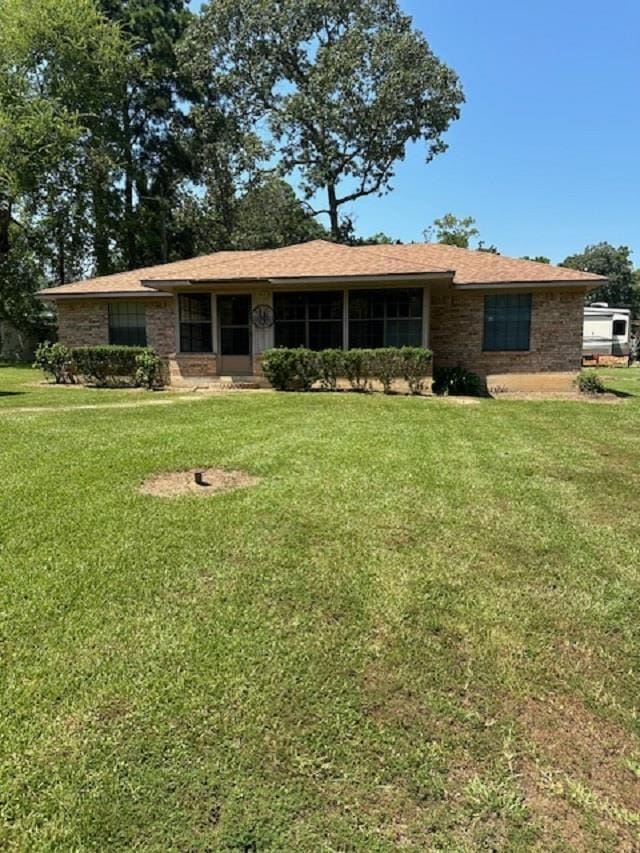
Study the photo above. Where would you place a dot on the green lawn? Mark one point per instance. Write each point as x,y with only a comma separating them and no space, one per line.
419,631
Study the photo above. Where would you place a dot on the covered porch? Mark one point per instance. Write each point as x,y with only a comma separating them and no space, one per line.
221,333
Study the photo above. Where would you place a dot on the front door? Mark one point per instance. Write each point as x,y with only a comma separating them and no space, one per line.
234,328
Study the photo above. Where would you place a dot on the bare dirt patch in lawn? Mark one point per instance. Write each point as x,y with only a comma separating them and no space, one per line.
580,771
214,480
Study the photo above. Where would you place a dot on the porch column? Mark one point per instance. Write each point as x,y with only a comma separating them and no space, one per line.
345,319
263,339
426,316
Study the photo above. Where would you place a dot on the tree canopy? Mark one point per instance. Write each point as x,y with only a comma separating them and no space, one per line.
453,231
339,89
623,289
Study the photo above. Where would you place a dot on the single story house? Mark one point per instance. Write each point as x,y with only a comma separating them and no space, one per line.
516,322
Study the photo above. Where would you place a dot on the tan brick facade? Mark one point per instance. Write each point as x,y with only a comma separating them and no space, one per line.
456,326
85,322
457,329
188,366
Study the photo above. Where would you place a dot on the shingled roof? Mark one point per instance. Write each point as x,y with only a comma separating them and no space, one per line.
322,259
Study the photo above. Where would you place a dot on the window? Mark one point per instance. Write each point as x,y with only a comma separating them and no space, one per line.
620,327
195,322
312,320
127,324
385,318
507,322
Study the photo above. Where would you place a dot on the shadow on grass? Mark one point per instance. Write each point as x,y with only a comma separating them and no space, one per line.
621,394
11,393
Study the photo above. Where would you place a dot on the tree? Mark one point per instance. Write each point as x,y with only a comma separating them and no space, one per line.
453,231
614,263
267,215
149,126
60,61
340,87
539,259
492,249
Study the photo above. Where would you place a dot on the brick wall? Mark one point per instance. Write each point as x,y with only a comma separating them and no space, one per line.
85,322
457,328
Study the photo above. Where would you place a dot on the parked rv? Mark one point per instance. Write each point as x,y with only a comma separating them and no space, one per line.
607,334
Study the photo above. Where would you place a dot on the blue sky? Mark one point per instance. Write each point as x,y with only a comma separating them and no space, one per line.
546,153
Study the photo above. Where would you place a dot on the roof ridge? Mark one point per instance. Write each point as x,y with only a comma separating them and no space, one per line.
386,254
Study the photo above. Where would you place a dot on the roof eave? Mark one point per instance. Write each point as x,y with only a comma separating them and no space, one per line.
169,285
510,285
52,296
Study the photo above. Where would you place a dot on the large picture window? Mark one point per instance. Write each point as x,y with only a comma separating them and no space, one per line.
312,320
385,318
195,322
507,322
127,324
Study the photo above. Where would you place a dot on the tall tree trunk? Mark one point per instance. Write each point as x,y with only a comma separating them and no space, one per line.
62,273
100,234
5,221
164,247
333,211
130,233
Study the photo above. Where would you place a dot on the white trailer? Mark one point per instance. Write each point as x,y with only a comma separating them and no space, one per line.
607,334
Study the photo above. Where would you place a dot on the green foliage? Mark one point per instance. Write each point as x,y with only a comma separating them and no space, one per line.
331,366
344,87
357,368
107,365
590,383
539,259
55,360
150,370
291,369
623,288
453,231
416,367
299,369
386,365
458,381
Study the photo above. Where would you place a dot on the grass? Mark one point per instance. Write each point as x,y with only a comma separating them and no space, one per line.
420,629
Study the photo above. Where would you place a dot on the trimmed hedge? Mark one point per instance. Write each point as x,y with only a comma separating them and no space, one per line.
291,369
106,365
299,369
55,360
101,365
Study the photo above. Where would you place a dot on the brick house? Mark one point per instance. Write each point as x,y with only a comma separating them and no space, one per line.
518,323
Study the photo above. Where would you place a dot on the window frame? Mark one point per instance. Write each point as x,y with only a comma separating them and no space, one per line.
134,335
387,317
492,340
201,323
307,322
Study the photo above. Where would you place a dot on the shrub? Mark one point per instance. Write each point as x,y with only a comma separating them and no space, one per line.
55,360
149,370
331,367
357,368
386,365
590,383
416,367
291,369
458,381
106,365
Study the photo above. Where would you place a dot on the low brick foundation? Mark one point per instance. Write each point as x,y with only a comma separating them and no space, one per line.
185,367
